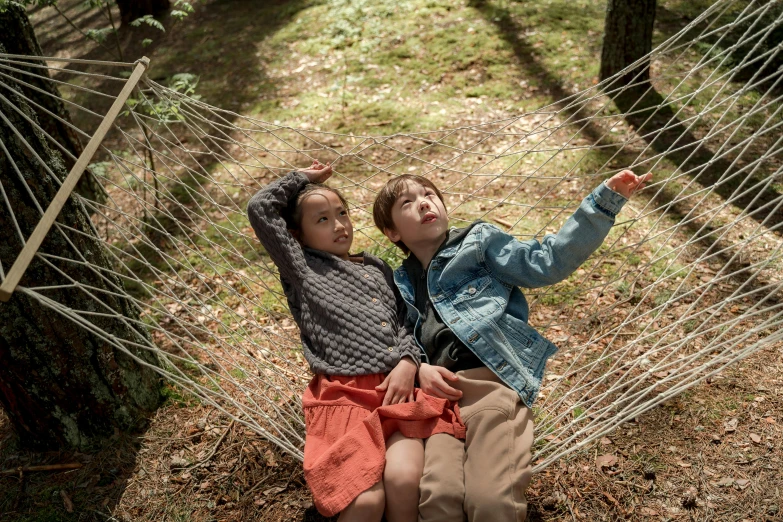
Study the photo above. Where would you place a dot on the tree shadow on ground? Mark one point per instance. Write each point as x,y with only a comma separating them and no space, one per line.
660,137
652,117
217,43
58,29
669,137
220,44
742,41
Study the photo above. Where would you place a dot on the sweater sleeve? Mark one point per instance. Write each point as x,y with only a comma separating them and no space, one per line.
264,210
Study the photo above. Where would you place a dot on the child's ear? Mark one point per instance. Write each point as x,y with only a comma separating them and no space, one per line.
393,235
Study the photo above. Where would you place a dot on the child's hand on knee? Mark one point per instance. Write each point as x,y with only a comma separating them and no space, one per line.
399,384
626,183
432,381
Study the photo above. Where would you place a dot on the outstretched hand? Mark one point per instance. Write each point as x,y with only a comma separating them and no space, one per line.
318,172
626,183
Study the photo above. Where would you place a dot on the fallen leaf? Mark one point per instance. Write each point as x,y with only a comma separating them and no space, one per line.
269,456
683,464
730,425
726,481
605,461
755,438
742,483
178,462
66,501
605,441
273,491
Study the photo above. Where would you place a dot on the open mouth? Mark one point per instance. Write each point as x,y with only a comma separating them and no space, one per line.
429,217
341,239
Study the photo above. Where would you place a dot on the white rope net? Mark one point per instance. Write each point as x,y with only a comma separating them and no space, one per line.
686,284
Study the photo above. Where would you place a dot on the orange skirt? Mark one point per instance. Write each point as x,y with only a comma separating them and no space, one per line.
346,432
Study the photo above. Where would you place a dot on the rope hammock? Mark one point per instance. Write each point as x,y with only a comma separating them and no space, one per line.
686,284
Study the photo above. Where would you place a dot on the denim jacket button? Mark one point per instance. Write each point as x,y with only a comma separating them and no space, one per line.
471,290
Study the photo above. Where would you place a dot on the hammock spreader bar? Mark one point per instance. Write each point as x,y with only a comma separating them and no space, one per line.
47,220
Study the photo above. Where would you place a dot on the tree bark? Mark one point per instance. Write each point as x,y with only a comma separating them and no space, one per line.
61,385
18,37
133,9
628,30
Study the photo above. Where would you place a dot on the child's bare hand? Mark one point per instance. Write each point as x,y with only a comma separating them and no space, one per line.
318,172
626,183
432,381
398,385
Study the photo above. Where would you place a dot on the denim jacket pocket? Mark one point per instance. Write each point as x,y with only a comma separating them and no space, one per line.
471,290
476,298
531,347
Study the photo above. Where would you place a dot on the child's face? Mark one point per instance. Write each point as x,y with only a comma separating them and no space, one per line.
419,217
325,224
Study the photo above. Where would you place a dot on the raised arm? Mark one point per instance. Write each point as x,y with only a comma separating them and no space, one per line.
534,263
264,209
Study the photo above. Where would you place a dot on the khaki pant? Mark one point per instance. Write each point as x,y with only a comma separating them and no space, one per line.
484,477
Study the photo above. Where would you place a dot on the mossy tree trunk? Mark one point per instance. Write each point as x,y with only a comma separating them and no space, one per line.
18,37
61,385
133,9
628,30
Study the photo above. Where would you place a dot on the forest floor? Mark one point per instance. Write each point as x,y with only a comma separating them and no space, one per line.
712,453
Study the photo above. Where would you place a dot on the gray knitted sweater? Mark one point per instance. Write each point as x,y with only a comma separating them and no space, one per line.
350,315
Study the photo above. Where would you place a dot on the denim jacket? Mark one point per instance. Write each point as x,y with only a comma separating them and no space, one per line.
474,286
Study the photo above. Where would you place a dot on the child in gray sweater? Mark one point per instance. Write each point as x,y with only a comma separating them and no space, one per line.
364,420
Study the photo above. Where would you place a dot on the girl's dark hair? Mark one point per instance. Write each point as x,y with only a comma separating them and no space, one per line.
292,213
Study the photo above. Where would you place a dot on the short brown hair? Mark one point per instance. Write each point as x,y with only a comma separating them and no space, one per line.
292,213
384,201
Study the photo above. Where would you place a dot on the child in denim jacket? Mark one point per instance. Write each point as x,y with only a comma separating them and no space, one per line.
461,289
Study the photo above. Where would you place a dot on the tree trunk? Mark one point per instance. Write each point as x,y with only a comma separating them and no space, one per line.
60,384
18,37
627,37
133,9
